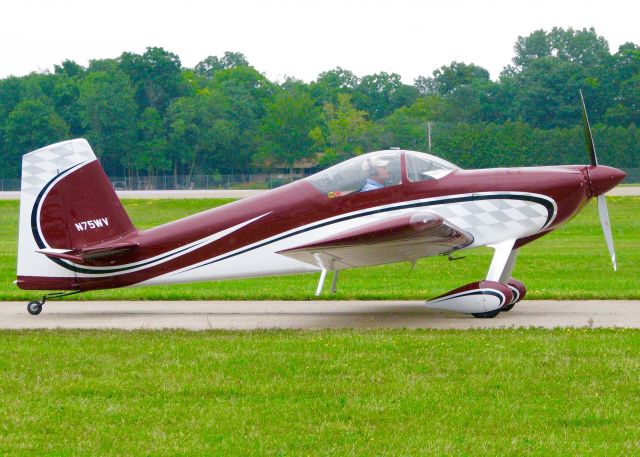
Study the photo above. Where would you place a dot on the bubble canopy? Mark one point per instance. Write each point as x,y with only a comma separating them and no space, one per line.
360,173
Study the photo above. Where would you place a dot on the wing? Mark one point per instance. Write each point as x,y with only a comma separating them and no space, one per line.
396,239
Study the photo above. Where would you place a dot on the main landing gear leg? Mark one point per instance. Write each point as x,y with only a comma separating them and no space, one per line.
502,264
35,307
504,259
334,283
323,275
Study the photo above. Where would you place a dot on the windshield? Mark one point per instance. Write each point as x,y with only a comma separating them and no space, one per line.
424,167
361,174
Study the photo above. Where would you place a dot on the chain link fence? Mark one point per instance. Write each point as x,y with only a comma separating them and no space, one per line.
203,182
633,176
9,185
183,182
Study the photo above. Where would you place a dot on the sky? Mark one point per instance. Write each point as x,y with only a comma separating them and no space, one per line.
302,38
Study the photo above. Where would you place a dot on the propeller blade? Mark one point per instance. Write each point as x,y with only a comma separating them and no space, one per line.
606,228
602,203
591,147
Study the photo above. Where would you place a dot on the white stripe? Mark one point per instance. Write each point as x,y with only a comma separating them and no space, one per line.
166,256
468,292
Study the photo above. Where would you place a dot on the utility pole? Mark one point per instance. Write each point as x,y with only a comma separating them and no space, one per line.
429,135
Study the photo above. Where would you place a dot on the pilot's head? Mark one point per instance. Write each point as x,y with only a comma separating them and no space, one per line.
378,170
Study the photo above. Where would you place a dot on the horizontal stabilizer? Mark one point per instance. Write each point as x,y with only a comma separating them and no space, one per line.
81,256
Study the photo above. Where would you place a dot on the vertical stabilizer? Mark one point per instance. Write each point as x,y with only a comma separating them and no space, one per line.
66,203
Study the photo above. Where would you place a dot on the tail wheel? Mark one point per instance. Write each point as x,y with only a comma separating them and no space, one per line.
34,308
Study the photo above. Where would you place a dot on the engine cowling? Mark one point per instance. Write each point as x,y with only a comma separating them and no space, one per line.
476,298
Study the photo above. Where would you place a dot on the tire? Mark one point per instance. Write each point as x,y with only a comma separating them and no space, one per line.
34,308
486,315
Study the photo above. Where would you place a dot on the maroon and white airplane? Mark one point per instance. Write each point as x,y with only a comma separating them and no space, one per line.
75,235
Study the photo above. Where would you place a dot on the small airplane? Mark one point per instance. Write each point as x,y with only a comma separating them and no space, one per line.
376,208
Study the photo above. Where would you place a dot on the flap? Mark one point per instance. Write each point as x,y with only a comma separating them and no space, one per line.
407,237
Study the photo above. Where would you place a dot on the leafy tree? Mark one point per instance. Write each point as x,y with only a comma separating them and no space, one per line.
31,125
36,86
69,68
330,84
547,93
447,78
145,113
382,93
200,133
468,103
10,95
625,63
618,145
190,83
532,47
155,76
104,65
460,143
627,110
610,95
151,151
469,92
208,67
285,129
584,46
575,58
343,127
109,115
66,99
407,127
247,92
293,84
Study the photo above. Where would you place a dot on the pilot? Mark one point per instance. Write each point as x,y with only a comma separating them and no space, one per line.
378,174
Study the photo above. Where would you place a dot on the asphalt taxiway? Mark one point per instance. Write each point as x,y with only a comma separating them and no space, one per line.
247,315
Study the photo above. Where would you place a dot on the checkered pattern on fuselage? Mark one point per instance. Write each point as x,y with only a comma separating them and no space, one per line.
486,219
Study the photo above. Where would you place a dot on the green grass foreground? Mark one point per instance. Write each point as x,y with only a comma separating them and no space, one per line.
383,392
570,263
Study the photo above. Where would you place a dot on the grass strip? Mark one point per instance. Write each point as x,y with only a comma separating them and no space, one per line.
343,392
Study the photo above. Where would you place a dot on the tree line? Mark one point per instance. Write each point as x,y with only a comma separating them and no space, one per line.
146,114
